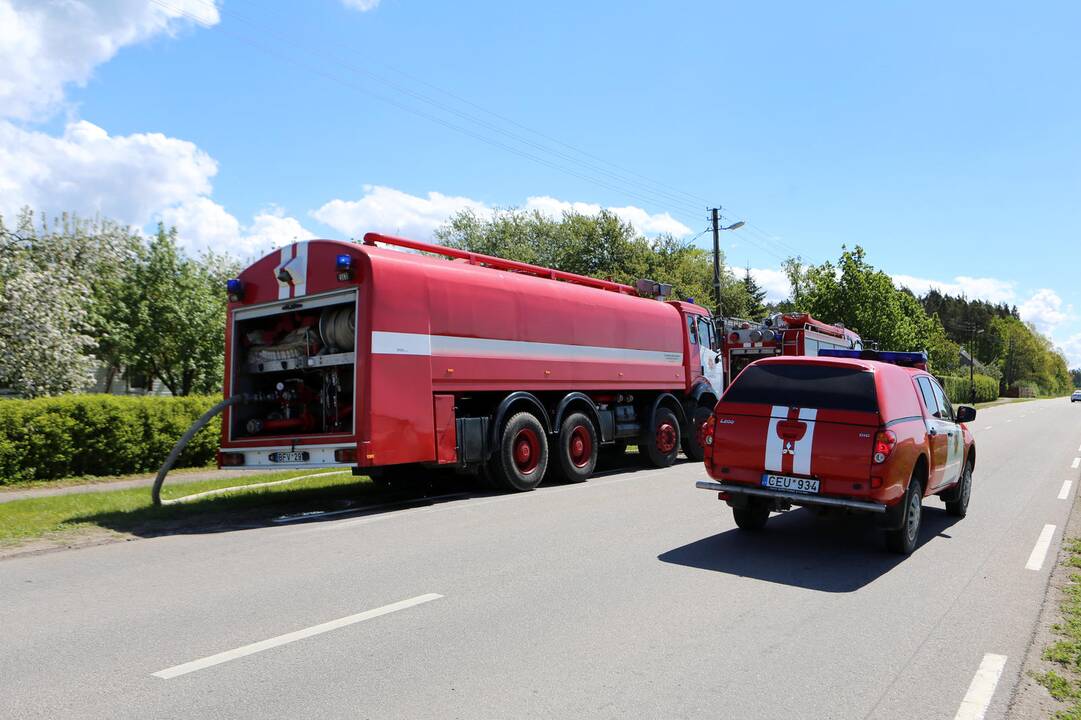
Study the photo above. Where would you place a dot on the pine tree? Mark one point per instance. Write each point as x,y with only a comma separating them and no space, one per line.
756,296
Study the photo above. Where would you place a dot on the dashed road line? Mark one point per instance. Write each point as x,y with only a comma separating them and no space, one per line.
982,688
987,428
1065,491
1076,463
1039,552
274,642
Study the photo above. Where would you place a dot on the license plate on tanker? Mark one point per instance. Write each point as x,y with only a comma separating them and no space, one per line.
791,484
295,456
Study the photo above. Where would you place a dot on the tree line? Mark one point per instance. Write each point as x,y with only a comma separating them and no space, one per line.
84,297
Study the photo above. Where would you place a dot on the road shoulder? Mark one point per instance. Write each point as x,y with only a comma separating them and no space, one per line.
1030,699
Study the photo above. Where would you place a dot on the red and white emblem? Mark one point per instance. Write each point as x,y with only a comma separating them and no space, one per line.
790,440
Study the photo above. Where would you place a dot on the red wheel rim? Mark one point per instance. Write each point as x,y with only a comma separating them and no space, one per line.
580,446
527,450
666,437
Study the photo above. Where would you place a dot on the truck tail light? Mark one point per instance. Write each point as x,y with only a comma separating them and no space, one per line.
230,459
706,432
884,442
345,455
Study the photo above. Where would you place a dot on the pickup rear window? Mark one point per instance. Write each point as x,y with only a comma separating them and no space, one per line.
812,386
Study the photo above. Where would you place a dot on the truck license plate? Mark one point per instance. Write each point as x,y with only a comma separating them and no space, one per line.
296,456
792,484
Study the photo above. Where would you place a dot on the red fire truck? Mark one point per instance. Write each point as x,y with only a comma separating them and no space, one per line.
782,334
345,354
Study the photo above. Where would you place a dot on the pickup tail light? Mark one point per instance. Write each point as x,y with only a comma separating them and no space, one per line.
884,442
706,432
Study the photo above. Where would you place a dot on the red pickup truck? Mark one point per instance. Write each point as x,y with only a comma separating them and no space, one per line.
850,432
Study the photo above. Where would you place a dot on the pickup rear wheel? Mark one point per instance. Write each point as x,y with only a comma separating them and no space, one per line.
692,441
753,517
660,440
903,540
577,448
958,505
522,457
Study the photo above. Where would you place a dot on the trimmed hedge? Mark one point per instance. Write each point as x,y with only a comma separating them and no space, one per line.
50,438
957,388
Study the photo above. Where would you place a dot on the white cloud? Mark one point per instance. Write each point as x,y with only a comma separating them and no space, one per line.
1044,310
126,178
361,5
45,46
384,209
1071,347
774,282
203,224
642,221
989,289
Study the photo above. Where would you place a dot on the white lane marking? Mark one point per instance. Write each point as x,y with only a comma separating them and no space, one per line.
987,428
1065,491
982,688
1076,463
1039,552
274,642
1009,421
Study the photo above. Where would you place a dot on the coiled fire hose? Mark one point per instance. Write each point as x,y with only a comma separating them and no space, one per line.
155,492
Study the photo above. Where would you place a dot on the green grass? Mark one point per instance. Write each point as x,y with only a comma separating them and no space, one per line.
130,510
1064,682
93,479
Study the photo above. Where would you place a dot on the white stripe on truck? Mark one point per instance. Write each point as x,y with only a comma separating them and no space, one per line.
395,343
804,447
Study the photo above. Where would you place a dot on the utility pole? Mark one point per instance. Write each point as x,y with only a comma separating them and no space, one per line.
715,215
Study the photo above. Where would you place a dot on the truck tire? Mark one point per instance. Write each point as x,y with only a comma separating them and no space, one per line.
577,448
692,443
522,456
904,539
752,517
660,440
957,504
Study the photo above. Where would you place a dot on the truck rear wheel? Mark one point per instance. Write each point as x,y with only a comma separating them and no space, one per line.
904,539
522,457
660,441
692,442
577,448
752,517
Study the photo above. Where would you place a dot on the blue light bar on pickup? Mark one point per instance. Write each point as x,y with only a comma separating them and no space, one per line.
905,359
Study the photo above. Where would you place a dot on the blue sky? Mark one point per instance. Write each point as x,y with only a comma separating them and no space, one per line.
943,137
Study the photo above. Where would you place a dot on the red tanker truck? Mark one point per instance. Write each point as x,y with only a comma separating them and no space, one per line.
387,360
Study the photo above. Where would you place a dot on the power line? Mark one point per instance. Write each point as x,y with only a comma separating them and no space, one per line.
615,182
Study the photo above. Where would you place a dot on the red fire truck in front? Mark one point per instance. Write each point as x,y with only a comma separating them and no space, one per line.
363,355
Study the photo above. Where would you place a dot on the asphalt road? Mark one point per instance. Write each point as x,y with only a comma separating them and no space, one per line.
630,596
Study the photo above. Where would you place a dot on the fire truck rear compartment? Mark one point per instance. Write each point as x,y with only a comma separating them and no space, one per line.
298,367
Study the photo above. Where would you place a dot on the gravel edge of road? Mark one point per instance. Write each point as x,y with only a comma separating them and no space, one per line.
1030,700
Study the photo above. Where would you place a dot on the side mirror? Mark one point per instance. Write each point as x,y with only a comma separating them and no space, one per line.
966,414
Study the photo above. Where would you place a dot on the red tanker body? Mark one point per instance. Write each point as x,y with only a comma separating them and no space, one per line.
362,355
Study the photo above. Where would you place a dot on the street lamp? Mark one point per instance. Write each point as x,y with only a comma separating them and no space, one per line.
717,227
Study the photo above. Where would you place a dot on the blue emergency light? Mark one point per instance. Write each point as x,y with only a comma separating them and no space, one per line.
905,359
234,288
344,264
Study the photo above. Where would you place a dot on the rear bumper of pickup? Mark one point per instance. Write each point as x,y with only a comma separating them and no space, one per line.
793,497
